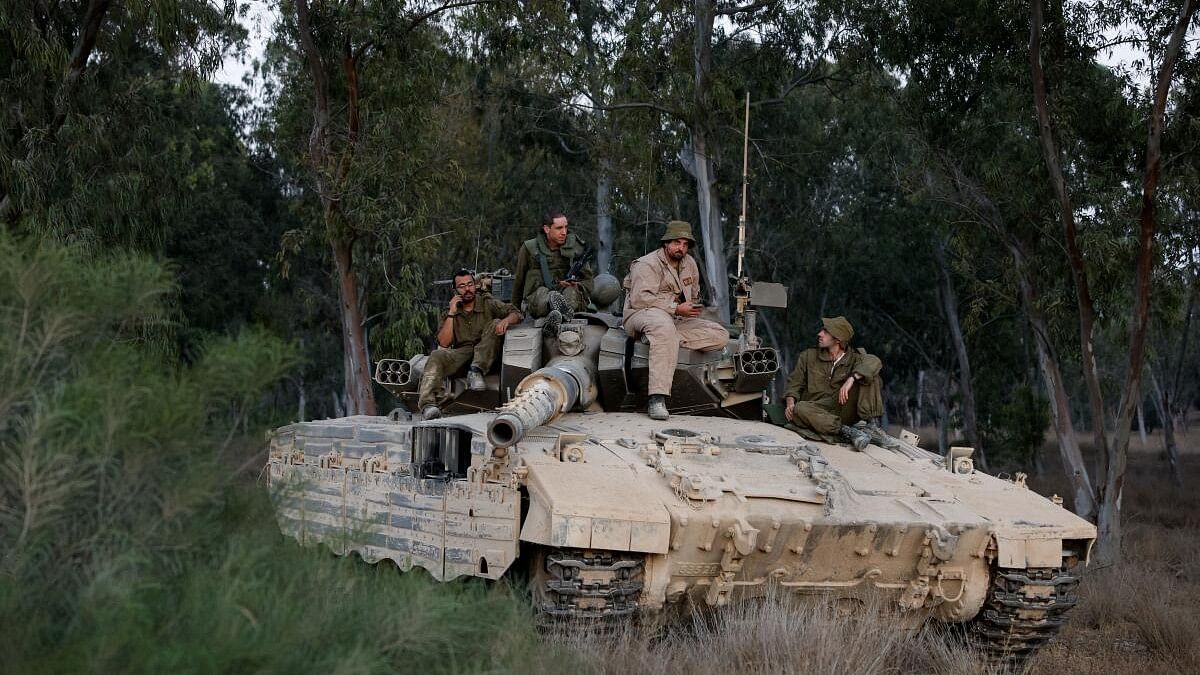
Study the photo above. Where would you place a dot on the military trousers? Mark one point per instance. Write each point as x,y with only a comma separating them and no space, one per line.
453,361
667,334
821,419
538,302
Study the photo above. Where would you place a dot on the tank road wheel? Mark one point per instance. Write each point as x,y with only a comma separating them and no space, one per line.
1023,611
581,588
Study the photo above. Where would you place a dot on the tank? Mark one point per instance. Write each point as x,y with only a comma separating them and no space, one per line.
554,472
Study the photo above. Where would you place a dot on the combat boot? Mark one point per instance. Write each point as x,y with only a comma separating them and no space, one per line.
475,379
558,303
857,437
553,322
431,412
656,407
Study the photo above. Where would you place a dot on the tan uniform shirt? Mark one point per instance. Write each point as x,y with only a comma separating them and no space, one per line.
654,282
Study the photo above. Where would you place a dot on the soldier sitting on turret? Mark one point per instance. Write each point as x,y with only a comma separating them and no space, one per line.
469,333
834,386
540,279
662,303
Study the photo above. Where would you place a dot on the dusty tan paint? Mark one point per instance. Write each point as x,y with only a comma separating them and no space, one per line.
751,511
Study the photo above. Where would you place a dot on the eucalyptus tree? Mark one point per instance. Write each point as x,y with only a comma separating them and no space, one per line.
1154,19
83,86
369,72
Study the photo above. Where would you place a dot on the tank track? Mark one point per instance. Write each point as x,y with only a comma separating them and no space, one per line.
587,588
1024,610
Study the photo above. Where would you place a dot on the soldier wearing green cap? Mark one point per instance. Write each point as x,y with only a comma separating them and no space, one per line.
834,386
662,303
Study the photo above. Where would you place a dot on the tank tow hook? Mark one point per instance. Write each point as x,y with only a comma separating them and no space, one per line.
940,546
741,540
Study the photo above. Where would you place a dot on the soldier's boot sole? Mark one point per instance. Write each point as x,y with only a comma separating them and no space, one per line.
558,303
656,408
857,437
475,380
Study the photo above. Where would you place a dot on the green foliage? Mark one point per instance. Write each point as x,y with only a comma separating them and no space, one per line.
1015,427
86,152
109,450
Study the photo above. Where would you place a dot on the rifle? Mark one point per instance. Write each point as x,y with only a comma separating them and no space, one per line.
578,262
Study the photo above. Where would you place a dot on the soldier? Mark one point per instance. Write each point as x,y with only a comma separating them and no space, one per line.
469,333
542,264
833,386
661,303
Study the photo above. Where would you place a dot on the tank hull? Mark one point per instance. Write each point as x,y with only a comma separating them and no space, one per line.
695,511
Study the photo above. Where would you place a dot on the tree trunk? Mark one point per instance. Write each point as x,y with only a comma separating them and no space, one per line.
711,231
1162,403
1083,295
1141,420
360,396
920,398
949,300
1083,499
604,224
1108,545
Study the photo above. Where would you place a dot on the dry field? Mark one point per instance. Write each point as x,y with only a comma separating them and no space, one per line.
1142,615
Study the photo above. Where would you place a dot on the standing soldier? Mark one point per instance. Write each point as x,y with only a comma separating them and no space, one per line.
833,386
469,333
663,288
542,264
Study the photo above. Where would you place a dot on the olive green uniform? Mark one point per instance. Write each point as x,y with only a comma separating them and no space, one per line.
539,270
474,343
815,383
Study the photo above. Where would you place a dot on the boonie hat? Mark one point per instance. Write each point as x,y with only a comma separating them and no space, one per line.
678,229
839,328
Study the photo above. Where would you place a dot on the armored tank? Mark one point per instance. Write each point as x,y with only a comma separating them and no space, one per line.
614,516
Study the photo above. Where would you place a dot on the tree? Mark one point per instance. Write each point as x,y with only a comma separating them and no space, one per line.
81,72
336,43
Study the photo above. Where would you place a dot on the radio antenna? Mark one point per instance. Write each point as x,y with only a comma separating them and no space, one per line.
745,190
741,292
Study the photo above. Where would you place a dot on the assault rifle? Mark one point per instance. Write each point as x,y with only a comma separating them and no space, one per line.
578,262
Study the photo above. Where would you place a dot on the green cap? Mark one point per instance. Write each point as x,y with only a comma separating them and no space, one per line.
839,328
678,229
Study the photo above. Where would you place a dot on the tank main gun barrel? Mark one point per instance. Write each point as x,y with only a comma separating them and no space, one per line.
541,397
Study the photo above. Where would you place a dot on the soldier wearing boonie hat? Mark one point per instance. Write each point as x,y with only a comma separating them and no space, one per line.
834,386
662,303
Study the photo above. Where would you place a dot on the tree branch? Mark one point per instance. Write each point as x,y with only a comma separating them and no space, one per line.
738,9
422,18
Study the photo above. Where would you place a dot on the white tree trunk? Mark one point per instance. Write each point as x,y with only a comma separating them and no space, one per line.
604,224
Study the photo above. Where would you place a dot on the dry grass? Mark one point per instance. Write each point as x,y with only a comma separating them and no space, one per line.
780,635
1142,615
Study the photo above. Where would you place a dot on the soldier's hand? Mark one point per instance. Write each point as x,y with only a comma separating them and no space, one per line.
454,303
844,392
789,409
501,327
564,283
688,310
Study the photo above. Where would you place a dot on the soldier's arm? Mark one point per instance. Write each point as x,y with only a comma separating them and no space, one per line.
643,289
519,275
508,310
445,334
867,368
798,380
